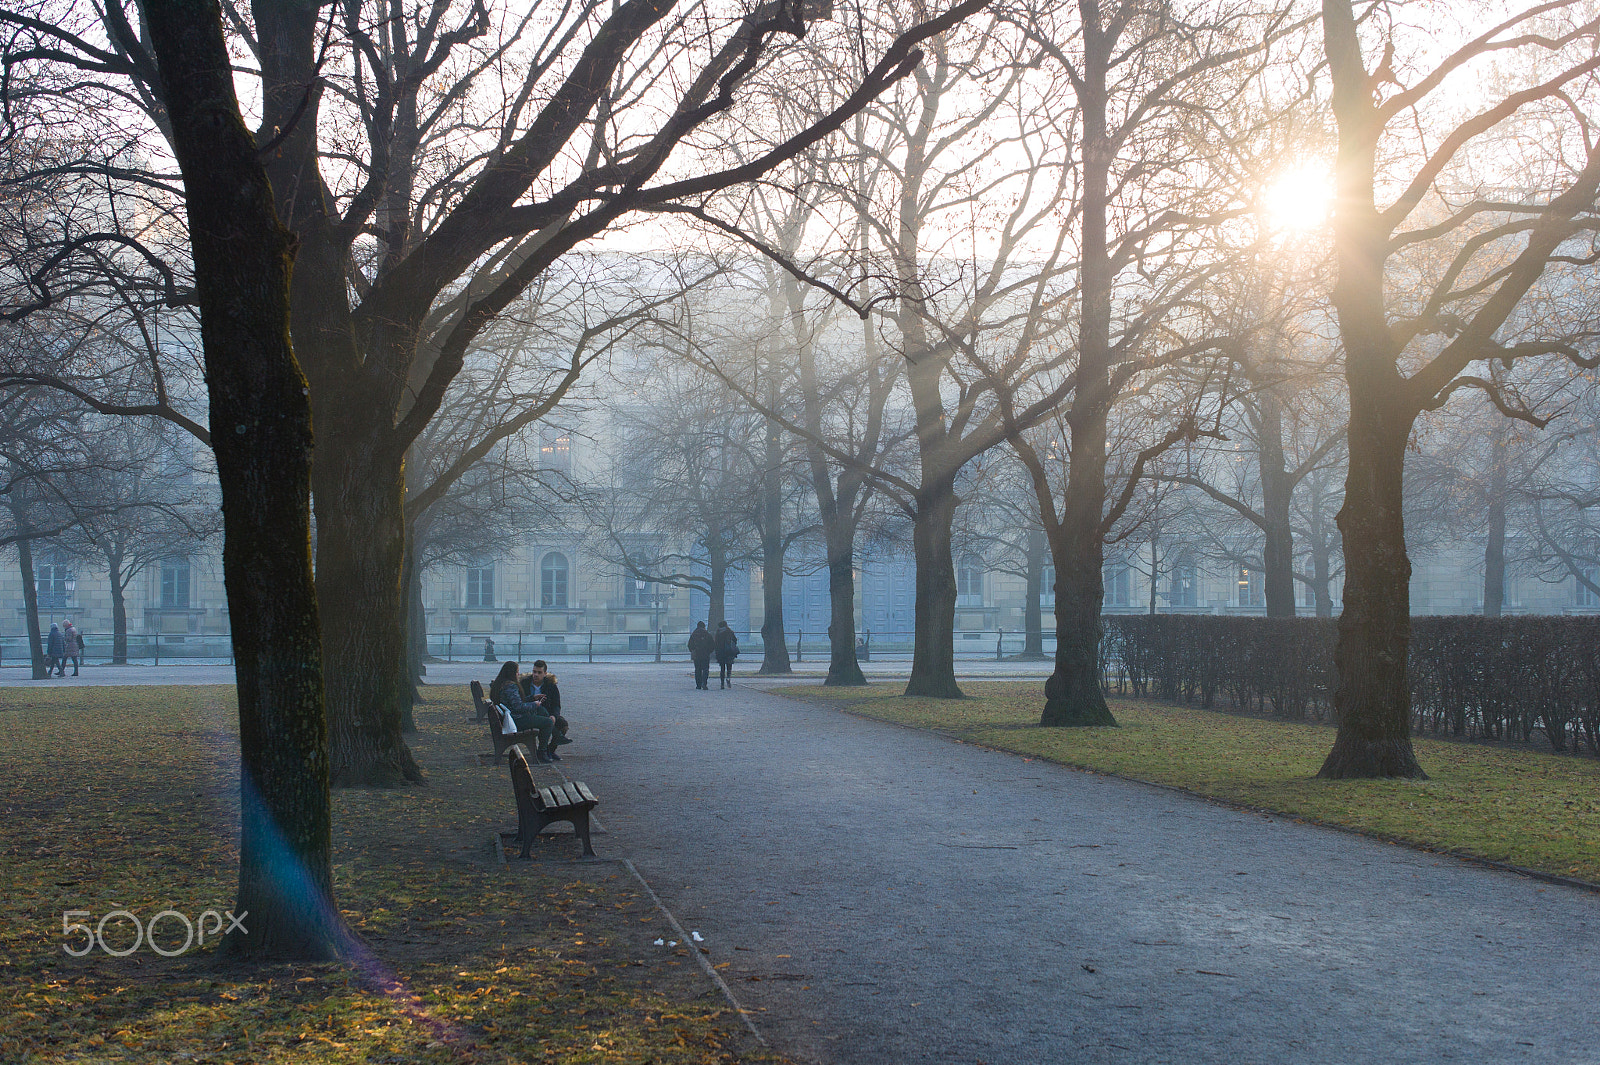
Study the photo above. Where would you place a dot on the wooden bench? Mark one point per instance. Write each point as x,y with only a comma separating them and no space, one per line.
540,805
501,740
480,705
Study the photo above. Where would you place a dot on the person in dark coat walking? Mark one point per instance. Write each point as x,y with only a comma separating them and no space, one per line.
727,649
700,647
55,652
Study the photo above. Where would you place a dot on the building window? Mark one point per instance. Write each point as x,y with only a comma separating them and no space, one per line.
175,583
553,580
1047,586
52,582
1252,589
1305,595
555,450
1183,586
480,585
969,581
635,591
1586,596
174,465
1117,582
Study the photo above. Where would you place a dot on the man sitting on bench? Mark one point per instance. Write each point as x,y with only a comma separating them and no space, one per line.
504,691
539,688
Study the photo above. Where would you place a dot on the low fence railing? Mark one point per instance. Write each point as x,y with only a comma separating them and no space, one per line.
213,648
664,646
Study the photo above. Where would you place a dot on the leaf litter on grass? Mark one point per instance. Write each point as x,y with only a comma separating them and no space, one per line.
465,960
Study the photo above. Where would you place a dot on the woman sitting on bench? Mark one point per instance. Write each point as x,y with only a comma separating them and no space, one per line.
528,716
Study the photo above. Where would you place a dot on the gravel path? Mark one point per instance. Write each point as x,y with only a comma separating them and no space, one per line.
879,895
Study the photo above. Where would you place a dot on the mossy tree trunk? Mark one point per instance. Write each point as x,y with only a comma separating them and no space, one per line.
261,435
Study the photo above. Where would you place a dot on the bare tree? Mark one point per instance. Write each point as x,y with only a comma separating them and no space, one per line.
1464,260
153,504
427,217
1160,100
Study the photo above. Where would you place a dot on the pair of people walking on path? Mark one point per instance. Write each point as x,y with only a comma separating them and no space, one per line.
703,645
61,645
535,705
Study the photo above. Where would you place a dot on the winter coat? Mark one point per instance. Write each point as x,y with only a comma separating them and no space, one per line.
524,713
56,644
551,693
700,645
727,646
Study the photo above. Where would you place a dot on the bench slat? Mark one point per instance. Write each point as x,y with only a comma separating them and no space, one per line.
584,793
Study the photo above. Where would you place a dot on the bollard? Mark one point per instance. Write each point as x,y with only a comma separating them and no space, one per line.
591,647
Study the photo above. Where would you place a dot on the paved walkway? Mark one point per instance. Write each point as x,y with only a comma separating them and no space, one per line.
880,895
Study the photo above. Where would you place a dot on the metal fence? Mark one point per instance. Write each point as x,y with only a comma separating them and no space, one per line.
212,648
672,646
217,648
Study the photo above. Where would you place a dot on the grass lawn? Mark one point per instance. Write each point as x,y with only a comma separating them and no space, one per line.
469,960
1538,811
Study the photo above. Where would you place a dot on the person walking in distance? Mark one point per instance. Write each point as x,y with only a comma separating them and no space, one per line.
55,652
700,648
74,641
727,649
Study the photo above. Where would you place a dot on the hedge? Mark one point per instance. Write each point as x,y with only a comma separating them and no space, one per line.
1506,678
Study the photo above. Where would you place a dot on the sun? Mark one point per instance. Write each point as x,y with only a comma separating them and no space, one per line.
1298,199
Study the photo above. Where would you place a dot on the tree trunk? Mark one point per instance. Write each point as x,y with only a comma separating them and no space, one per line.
30,607
1155,574
1277,493
1373,697
360,561
261,434
933,669
1494,551
717,586
1073,696
119,608
357,480
417,621
774,651
1032,612
844,667
1322,574
411,593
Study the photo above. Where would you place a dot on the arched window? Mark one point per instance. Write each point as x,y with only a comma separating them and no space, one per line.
969,581
553,580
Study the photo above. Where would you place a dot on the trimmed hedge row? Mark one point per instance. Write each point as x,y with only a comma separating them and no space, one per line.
1471,677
